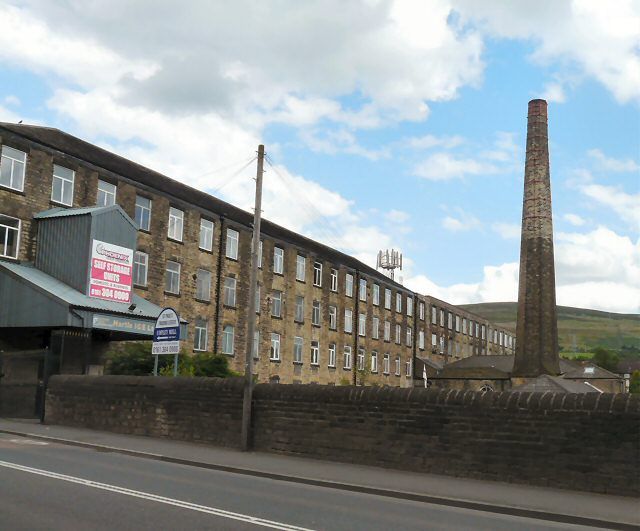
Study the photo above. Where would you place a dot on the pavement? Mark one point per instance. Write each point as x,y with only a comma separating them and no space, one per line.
538,503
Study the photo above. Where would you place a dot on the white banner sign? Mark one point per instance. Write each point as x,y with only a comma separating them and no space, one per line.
111,272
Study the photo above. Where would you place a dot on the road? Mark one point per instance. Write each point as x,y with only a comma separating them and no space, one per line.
57,487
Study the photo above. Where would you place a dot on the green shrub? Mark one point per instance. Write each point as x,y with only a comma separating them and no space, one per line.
634,384
605,358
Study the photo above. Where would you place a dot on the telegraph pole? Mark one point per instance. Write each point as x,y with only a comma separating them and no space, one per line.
251,309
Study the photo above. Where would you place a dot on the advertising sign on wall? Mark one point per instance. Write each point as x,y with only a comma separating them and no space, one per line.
111,272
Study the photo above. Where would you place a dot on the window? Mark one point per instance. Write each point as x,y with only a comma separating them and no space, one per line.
172,278
299,316
387,331
276,303
408,368
62,187
203,285
278,260
232,244
348,325
477,329
387,298
260,254
399,302
333,317
332,354
434,340
347,357
315,313
140,267
9,236
229,291
297,349
106,194
495,336
301,264
397,365
362,324
143,213
317,274
334,280
450,320
348,285
12,166
375,294
500,340
457,323
257,302
441,317
227,339
421,339
464,325
409,306
434,315
315,353
484,332
363,290
409,337
374,361
176,224
361,354
398,333
275,347
375,328
421,311
386,365
206,234
200,335
256,345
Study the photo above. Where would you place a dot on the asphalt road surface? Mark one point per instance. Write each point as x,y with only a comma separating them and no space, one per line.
57,487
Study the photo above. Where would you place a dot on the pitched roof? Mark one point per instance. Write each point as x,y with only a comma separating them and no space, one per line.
590,371
71,145
557,384
500,366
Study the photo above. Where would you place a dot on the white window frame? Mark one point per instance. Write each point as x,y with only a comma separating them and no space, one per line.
256,345
173,274
398,365
107,190
274,352
421,311
362,291
386,363
375,328
228,340
408,369
317,274
450,320
316,313
457,323
137,263
362,324
374,362
142,209
398,334
175,230
207,228
375,294
65,181
348,285
387,330
276,303
409,306
434,340
315,353
434,315
201,287
299,310
421,339
348,320
409,337
260,245
301,266
332,355
347,357
5,242
278,260
10,154
232,244
230,286
334,280
298,344
333,317
398,302
387,298
442,317
200,333
361,359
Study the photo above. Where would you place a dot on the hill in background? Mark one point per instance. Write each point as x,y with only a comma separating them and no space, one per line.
579,330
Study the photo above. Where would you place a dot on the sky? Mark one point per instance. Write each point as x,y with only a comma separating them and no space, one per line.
387,123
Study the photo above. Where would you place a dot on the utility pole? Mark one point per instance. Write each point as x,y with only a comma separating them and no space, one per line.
251,309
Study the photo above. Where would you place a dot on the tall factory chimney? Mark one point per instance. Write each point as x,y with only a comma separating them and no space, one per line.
537,325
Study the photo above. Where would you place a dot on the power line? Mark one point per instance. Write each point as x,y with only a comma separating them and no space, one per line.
226,167
232,177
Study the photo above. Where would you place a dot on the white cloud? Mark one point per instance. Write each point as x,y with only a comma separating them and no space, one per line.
336,141
574,220
463,222
611,164
397,216
445,166
12,100
429,141
625,205
507,231
554,93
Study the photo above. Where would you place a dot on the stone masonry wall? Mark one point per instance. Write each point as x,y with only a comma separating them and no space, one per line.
584,442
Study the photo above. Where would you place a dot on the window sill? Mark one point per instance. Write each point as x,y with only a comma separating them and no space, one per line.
279,317
140,286
332,367
13,190
228,306
170,239
279,274
299,280
202,301
317,285
231,354
298,322
315,365
346,368
145,231
208,251
274,360
55,203
171,294
298,363
315,325
231,258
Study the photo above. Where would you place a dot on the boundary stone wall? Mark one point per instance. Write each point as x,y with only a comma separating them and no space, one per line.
576,441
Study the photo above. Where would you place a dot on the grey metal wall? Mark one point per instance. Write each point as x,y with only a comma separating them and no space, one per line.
63,249
112,226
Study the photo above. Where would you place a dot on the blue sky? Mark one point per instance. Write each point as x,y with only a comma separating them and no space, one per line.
392,123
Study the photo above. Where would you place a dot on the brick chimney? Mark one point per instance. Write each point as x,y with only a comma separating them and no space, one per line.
537,325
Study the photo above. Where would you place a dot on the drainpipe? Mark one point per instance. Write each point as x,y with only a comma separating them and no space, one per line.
414,342
354,329
216,329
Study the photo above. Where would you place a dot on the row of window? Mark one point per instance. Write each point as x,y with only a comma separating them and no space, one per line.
474,329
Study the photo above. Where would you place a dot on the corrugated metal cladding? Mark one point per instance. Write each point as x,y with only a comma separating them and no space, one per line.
64,242
63,248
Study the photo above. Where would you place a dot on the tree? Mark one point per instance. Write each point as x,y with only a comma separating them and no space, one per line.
634,384
605,358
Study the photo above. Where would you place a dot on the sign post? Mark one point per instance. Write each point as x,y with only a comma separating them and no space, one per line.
166,338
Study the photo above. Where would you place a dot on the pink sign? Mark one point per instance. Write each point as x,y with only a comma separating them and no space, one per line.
111,272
